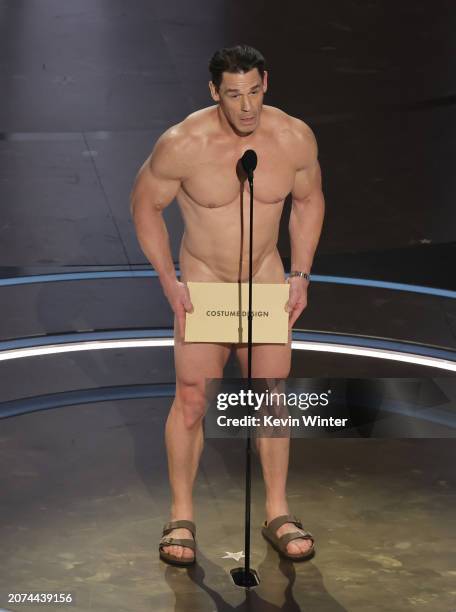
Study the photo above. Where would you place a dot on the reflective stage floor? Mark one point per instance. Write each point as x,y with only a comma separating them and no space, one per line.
85,496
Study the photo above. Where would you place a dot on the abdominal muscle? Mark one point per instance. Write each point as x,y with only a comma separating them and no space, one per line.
215,244
265,269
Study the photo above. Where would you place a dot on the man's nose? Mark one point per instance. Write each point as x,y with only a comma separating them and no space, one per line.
245,103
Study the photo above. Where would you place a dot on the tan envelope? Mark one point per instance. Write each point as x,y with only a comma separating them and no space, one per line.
221,312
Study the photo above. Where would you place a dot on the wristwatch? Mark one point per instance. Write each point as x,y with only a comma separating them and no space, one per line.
297,273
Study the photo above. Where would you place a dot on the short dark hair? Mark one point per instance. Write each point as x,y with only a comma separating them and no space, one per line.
240,58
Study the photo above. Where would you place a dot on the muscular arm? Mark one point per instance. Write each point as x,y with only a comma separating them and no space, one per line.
155,187
306,217
308,205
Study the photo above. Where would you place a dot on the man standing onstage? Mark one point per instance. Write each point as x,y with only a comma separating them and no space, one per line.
196,162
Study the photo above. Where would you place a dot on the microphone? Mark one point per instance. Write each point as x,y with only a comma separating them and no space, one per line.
249,163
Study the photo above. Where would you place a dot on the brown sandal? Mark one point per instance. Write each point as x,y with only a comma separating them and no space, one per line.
166,541
280,543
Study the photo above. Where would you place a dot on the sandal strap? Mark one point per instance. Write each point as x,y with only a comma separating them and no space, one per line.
287,537
181,523
278,521
177,542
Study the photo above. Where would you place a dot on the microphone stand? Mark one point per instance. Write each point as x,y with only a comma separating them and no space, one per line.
249,378
245,576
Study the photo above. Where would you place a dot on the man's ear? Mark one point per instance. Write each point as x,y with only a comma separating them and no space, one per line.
265,81
214,93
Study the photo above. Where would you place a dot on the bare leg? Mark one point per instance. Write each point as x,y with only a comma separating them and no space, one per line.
273,361
274,456
194,363
184,446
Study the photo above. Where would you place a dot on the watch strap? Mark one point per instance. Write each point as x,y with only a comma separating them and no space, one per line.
298,273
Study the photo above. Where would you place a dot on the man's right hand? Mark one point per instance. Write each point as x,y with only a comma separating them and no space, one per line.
179,299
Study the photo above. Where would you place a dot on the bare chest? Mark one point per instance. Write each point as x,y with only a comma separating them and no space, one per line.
215,180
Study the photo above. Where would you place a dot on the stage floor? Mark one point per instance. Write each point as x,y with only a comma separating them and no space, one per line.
85,496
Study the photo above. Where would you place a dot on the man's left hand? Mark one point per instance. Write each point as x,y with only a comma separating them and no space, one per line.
297,299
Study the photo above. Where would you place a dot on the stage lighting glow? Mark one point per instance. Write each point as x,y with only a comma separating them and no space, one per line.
361,351
300,345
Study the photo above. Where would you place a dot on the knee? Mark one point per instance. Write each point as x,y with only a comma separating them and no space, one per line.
191,402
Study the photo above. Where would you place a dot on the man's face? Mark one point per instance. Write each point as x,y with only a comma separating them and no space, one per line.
240,97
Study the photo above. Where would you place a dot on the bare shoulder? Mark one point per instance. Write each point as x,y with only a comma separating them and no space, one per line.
182,143
295,135
179,145
170,153
200,119
197,127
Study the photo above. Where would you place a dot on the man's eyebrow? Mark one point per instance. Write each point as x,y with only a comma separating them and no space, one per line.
237,90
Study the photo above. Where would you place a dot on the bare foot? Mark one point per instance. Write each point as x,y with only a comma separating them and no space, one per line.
298,546
180,552
295,547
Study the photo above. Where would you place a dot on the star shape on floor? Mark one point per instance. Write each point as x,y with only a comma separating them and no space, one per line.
234,555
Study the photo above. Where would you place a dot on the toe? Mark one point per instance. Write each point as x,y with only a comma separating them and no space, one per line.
177,551
299,546
293,548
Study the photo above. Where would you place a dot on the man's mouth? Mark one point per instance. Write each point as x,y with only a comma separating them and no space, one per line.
247,119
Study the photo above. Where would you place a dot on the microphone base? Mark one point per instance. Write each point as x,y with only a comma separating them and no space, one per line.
244,579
